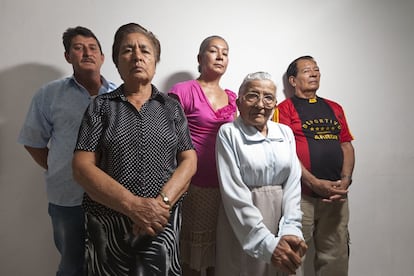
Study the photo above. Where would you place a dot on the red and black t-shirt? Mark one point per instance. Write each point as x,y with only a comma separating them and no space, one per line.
320,127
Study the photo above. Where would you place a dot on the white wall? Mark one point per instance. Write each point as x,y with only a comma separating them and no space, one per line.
365,52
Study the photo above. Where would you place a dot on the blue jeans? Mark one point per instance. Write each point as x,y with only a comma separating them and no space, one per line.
69,236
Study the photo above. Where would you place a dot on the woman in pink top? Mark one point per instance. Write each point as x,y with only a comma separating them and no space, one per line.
207,106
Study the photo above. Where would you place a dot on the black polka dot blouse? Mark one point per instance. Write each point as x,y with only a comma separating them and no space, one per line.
138,148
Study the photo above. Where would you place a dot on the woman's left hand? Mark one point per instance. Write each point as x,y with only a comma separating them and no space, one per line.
149,215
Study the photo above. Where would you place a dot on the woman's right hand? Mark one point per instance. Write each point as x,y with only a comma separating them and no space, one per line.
149,216
288,253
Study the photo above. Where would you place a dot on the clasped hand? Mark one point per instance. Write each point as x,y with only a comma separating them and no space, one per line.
288,253
149,216
331,190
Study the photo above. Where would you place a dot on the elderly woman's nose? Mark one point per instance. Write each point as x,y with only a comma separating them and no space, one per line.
137,55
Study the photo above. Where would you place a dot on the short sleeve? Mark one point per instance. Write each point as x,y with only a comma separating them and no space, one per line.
90,130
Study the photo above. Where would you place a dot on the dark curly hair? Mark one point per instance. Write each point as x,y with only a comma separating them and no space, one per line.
70,33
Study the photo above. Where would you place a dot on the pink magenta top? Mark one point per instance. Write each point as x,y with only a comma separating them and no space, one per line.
204,123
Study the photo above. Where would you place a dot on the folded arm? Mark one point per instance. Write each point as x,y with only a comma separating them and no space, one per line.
149,213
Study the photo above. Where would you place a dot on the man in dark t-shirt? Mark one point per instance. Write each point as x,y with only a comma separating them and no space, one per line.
323,145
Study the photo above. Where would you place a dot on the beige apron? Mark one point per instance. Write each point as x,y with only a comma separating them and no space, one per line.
231,260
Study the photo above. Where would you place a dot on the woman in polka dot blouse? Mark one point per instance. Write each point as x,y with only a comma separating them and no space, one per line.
135,159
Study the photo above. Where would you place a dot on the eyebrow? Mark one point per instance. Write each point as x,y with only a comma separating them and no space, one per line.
218,47
259,92
133,44
82,44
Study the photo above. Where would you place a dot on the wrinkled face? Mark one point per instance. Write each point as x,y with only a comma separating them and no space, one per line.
256,103
84,54
136,60
308,76
215,57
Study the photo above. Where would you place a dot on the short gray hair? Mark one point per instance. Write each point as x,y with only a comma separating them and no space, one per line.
254,76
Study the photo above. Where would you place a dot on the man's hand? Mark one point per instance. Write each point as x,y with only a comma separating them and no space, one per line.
288,253
331,190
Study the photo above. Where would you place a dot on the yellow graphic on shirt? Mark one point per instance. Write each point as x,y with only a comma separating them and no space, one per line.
322,129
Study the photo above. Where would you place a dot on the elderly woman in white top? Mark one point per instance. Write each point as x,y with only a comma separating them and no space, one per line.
259,225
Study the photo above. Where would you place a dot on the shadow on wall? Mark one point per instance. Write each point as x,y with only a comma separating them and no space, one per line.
175,78
23,204
18,85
